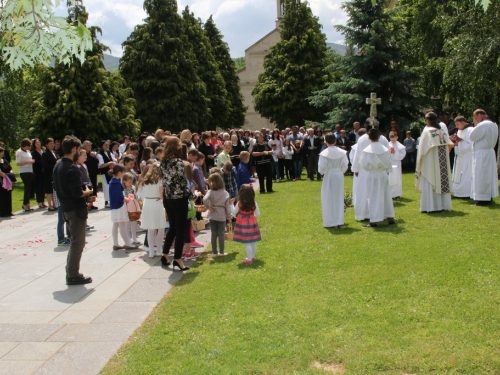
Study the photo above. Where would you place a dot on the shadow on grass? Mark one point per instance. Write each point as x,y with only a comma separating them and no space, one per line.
347,229
187,277
257,263
450,213
221,260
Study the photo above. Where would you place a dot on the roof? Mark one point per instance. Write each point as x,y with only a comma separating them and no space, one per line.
261,39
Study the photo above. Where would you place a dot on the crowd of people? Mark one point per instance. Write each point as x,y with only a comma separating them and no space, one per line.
176,177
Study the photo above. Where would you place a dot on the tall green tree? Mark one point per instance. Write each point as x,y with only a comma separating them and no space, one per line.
158,63
82,99
236,116
207,70
472,64
18,90
294,68
377,67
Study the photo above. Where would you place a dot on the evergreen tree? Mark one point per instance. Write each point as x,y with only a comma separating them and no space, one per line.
82,99
159,65
294,68
207,70
237,110
375,67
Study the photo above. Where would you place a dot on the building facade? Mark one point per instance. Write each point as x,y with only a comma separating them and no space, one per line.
254,65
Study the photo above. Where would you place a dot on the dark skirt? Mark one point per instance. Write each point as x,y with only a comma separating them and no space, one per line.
5,202
47,183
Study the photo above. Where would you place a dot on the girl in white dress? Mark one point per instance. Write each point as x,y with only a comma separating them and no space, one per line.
149,189
398,152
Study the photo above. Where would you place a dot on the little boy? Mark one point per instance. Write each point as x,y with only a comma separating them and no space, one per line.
410,146
224,156
229,177
243,174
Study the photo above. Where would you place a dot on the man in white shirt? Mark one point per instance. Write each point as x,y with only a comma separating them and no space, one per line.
484,136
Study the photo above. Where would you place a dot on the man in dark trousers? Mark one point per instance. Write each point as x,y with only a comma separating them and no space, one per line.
312,145
68,186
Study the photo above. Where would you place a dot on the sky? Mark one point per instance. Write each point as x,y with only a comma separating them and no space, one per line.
241,22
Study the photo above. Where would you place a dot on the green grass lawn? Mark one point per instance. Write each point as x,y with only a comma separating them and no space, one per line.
420,297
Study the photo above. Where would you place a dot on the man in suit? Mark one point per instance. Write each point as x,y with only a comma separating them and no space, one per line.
312,145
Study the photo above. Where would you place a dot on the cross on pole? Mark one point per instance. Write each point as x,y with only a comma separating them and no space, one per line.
373,101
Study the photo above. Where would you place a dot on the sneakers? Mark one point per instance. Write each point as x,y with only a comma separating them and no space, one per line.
64,242
197,244
192,255
247,261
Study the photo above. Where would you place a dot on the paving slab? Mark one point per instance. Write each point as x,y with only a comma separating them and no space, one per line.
82,358
125,312
98,332
32,351
27,332
19,367
47,327
6,347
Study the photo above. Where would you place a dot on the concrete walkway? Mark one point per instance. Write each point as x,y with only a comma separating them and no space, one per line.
47,327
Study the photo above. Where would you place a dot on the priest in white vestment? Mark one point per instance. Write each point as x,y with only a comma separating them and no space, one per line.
398,152
484,136
376,162
360,185
433,173
332,165
462,168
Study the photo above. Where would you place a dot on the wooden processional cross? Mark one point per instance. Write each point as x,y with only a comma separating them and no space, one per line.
373,101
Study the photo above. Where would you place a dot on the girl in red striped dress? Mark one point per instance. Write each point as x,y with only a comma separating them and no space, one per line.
246,228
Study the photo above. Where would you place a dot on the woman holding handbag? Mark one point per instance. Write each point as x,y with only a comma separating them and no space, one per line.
5,193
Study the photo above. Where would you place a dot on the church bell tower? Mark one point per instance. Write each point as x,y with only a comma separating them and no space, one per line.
280,4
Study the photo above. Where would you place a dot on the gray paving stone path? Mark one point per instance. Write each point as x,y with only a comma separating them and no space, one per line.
47,327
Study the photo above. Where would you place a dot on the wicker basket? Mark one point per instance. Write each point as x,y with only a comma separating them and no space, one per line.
198,225
200,208
134,210
228,236
134,216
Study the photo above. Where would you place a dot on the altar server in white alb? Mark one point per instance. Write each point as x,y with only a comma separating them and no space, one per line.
361,132
398,153
376,161
332,165
462,168
433,173
484,136
361,192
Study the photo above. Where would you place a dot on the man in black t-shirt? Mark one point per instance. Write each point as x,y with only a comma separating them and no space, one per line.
68,186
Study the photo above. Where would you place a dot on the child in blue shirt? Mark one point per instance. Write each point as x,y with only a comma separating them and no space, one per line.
243,174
